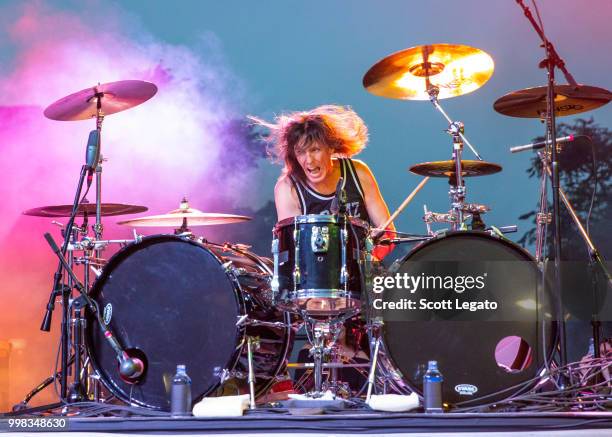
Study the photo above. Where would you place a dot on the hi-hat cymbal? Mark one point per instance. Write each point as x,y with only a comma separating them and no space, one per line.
531,102
184,217
89,209
114,97
408,74
443,169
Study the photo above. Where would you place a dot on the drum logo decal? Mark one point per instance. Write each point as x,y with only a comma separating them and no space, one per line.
466,389
108,313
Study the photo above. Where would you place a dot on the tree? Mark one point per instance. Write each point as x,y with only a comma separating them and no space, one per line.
584,166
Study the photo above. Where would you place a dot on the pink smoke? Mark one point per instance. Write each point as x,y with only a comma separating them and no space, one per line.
168,147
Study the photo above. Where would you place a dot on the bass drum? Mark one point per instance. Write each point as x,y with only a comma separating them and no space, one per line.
482,360
171,300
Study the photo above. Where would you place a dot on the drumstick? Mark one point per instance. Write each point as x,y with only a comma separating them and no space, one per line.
404,204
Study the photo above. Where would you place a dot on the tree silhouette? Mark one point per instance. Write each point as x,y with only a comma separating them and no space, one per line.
584,166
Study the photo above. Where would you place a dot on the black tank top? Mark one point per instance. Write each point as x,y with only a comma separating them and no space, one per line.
313,202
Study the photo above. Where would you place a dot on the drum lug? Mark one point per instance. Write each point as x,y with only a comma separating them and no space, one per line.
228,267
275,284
296,268
319,240
222,374
343,270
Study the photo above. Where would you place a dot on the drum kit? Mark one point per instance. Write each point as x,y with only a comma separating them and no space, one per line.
231,315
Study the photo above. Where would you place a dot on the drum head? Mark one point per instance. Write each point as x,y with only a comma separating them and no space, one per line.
169,301
478,359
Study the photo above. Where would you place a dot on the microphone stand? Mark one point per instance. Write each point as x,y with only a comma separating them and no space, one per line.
61,289
550,62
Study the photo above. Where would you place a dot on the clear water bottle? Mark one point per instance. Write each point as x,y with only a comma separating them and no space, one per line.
180,395
432,389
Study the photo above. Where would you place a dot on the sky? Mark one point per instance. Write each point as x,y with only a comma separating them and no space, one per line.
216,62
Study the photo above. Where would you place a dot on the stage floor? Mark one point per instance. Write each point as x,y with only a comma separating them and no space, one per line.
346,424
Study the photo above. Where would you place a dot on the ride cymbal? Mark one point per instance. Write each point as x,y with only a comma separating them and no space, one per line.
108,209
531,102
113,97
408,74
442,169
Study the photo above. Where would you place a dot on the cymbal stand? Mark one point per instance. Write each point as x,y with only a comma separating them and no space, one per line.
596,260
457,185
550,62
98,227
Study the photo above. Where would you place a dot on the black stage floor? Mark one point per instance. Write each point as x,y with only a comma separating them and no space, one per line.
284,423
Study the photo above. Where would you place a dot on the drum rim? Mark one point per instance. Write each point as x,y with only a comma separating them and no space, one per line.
113,262
462,234
319,218
313,293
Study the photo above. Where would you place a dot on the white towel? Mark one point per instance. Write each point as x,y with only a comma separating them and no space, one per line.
394,403
221,406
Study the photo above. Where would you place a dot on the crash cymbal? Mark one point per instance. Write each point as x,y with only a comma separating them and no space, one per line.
531,102
442,169
107,209
114,97
407,74
184,217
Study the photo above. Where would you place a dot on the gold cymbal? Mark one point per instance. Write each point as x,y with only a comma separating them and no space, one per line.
531,102
408,74
443,169
185,216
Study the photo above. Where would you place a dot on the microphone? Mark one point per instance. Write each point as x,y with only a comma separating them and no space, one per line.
92,153
338,204
129,367
541,144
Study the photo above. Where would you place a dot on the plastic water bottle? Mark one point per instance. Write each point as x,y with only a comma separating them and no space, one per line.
432,389
180,395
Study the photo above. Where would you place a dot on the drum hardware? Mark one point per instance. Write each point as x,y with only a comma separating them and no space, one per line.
332,365
430,72
545,218
252,343
372,373
546,103
93,102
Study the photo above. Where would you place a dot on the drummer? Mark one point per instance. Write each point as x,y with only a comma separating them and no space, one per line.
316,148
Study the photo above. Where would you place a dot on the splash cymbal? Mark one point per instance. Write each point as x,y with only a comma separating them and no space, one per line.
114,97
441,169
108,209
408,74
531,102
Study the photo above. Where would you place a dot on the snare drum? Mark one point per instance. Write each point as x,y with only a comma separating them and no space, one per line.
317,264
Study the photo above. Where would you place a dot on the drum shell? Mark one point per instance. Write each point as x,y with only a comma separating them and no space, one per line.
177,301
319,271
465,350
